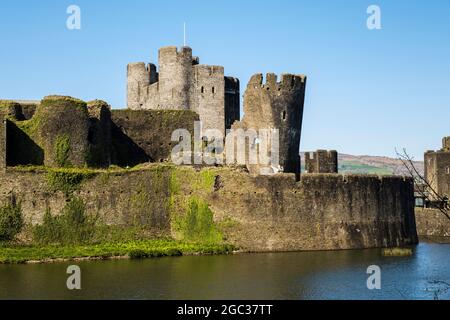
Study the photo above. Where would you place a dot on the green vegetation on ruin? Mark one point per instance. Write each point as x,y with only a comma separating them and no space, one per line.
11,220
67,180
197,224
77,233
62,150
64,102
130,249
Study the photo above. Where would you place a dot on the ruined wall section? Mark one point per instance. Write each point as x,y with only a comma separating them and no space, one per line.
60,120
145,135
232,101
277,105
321,161
208,98
99,135
437,168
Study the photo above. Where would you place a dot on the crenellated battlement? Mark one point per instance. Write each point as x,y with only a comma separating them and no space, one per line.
275,102
288,82
321,161
174,51
209,70
276,105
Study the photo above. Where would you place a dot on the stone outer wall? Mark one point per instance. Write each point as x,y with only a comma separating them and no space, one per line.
321,212
432,223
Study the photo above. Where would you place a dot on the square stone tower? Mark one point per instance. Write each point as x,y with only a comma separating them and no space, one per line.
437,168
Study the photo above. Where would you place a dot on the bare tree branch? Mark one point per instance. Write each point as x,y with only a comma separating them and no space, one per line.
423,185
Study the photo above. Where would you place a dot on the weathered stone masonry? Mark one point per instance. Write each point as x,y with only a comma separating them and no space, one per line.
97,136
276,105
321,212
184,84
321,161
437,168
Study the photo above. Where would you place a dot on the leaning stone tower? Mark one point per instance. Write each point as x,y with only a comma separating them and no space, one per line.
276,105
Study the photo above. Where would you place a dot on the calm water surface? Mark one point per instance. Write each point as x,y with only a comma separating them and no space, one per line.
302,275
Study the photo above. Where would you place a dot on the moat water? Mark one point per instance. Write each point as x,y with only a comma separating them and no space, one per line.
302,275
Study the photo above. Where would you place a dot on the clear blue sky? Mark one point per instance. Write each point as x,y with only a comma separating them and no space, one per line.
368,91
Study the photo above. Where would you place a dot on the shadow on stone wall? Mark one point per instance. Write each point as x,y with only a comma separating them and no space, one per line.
21,149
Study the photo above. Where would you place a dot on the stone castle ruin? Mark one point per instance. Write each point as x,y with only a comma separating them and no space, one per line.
182,83
437,168
279,211
183,91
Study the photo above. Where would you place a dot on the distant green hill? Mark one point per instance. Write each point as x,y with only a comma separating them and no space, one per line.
355,167
371,165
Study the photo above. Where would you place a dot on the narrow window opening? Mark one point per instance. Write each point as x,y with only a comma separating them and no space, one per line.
284,115
202,90
213,90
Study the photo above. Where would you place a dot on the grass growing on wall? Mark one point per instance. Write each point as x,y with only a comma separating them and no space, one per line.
67,180
76,233
131,249
72,226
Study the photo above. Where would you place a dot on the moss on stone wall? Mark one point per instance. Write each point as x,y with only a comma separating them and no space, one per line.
11,110
67,180
197,224
62,150
63,102
145,135
191,216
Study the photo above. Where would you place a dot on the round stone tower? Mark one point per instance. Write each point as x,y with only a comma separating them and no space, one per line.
138,77
175,77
